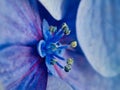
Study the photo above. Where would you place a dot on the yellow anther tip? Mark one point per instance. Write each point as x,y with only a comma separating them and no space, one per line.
52,28
64,25
74,44
67,32
70,61
66,29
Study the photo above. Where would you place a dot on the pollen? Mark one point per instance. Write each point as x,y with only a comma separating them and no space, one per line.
74,44
52,29
67,32
64,26
51,48
70,61
65,29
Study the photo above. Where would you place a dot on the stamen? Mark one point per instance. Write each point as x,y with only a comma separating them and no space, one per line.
73,44
59,65
53,61
67,68
58,35
64,26
51,48
61,58
63,47
52,29
70,61
66,29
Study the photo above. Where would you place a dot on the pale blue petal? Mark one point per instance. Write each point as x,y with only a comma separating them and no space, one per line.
54,7
57,8
98,32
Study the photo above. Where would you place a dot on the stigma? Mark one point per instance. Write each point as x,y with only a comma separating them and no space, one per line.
51,48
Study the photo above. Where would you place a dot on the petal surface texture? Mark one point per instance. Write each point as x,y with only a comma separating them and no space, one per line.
19,23
83,77
56,8
57,84
20,69
98,24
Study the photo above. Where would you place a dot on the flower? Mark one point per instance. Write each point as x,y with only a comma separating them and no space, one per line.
21,66
25,58
51,47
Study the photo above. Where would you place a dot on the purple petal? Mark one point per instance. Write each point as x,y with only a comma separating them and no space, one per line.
19,23
21,69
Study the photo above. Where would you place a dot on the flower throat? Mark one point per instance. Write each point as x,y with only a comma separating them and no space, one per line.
51,47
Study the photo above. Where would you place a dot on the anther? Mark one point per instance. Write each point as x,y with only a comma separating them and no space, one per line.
67,68
51,48
69,61
67,32
65,29
52,29
64,26
73,44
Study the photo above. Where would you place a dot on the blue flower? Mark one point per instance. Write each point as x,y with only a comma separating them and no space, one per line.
51,48
37,56
21,64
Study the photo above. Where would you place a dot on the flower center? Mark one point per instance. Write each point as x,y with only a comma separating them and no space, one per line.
51,47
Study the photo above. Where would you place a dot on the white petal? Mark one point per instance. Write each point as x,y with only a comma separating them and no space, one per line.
56,8
99,35
57,84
